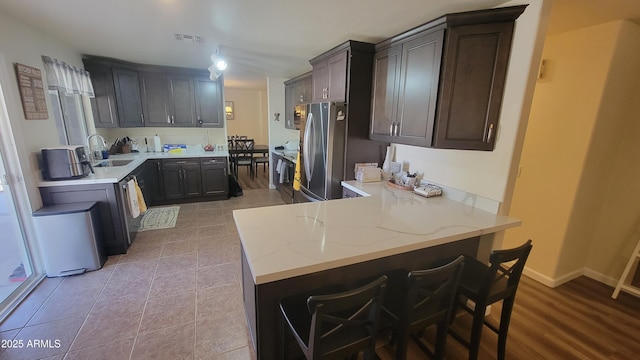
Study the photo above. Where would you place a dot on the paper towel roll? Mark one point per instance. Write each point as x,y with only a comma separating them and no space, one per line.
157,145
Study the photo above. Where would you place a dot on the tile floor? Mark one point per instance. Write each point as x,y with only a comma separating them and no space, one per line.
176,294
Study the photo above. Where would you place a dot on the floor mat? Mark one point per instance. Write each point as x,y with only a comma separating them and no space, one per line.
159,218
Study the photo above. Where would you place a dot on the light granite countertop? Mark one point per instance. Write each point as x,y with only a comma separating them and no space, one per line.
291,155
113,174
291,240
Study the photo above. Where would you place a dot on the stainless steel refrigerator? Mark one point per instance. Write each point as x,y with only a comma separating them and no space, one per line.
330,145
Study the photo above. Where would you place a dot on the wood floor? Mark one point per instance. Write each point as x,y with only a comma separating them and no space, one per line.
259,181
577,320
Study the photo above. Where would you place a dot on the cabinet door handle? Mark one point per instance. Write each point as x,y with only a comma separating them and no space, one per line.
181,162
490,133
397,128
142,118
173,119
168,119
391,128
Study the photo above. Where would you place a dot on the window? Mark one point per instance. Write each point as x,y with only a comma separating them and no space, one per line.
66,85
69,116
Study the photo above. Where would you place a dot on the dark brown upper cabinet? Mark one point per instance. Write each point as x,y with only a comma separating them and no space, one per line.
103,105
441,84
405,89
182,101
154,88
330,77
209,109
128,100
334,71
168,99
298,92
136,95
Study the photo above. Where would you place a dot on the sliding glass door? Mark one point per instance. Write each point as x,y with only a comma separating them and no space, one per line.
15,266
17,274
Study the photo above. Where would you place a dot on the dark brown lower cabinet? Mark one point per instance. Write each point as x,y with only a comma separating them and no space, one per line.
261,301
182,178
215,179
154,182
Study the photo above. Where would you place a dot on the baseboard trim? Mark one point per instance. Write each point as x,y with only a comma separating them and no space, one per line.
605,279
552,283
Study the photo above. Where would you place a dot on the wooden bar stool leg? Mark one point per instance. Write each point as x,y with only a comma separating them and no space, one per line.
476,331
441,339
505,318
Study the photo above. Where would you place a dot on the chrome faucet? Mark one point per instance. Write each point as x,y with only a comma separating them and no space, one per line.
97,155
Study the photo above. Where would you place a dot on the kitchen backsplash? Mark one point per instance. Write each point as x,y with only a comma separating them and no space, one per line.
189,136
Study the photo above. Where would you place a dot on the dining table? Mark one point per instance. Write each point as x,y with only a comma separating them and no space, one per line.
257,149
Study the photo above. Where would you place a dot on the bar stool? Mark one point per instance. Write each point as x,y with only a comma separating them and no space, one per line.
419,299
485,285
337,325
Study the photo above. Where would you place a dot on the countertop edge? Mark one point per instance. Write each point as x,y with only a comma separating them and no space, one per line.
112,175
264,279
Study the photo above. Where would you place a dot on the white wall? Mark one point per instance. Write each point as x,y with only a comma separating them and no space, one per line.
250,114
579,187
25,45
278,134
490,173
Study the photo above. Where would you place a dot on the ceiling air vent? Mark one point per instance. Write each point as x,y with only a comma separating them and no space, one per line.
192,39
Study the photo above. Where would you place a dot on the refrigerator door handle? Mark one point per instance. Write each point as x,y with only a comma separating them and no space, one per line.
308,146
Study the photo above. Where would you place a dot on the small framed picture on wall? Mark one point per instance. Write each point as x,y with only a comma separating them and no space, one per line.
228,109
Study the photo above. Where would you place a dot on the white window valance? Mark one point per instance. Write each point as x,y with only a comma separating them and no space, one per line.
64,77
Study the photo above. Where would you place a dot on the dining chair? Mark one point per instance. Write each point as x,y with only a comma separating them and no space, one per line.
487,284
419,299
260,159
243,155
336,325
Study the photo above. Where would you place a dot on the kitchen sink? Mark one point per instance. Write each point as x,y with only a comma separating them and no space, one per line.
108,163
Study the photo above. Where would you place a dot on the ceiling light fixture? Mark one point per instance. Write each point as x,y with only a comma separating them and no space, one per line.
218,60
221,64
218,66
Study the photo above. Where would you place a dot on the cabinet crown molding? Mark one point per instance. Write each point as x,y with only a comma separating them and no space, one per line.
510,13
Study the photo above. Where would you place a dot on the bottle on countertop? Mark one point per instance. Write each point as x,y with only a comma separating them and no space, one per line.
386,166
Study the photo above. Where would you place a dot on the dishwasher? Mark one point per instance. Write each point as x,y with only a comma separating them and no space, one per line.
131,224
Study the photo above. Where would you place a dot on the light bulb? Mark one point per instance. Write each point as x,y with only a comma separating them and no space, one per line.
221,64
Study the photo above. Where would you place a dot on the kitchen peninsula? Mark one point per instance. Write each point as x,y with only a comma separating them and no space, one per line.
291,249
